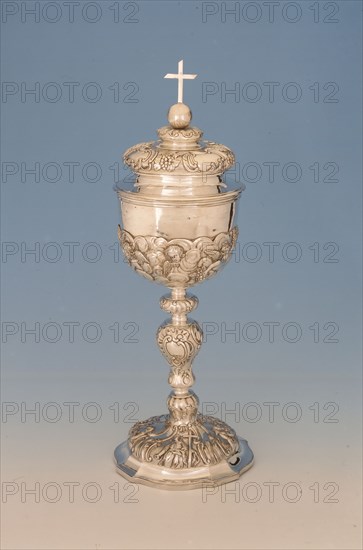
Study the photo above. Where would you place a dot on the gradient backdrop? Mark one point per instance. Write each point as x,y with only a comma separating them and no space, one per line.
279,83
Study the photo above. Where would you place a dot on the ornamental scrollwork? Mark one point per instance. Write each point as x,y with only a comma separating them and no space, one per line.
179,344
214,158
191,134
175,306
177,262
206,441
181,378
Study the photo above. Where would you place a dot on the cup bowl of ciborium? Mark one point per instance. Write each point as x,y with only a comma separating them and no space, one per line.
178,241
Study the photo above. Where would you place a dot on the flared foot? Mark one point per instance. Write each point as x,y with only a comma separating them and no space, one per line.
206,452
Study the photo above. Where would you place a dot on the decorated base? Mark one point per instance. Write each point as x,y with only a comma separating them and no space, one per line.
206,452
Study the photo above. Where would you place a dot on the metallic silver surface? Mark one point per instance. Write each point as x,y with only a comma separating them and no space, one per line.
150,474
178,229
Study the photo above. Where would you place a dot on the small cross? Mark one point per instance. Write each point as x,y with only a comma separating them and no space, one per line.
180,76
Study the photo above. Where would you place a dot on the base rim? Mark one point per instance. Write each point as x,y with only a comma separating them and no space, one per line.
160,477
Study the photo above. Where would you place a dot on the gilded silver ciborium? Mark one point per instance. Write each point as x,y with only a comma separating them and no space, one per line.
178,229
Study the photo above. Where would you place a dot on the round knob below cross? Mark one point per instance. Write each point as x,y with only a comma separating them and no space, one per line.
179,115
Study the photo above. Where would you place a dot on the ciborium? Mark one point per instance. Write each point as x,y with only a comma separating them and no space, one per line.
178,229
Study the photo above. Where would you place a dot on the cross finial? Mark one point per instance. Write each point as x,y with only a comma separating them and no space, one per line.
180,76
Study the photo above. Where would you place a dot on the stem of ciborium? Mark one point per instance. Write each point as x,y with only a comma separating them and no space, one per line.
179,340
183,449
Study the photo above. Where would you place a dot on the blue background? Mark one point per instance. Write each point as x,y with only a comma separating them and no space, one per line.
147,42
